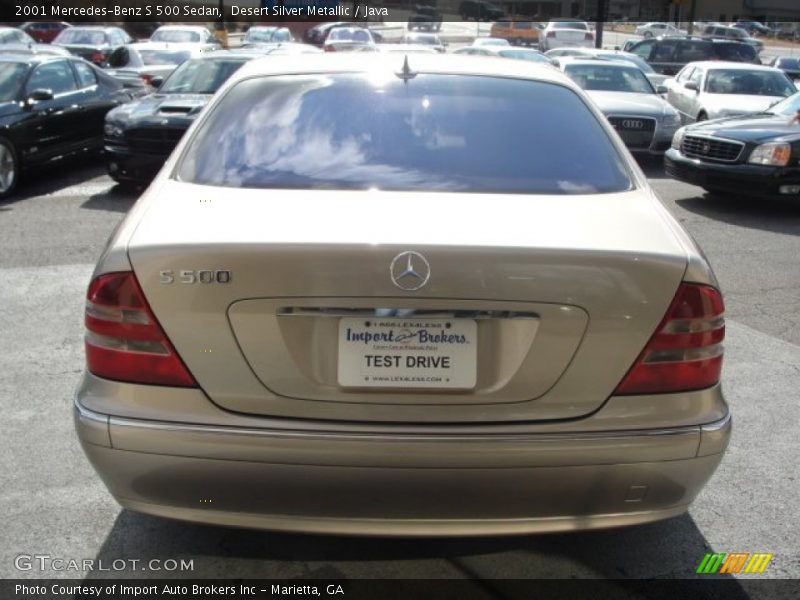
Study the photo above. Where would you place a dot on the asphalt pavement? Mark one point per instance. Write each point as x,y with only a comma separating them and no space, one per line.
53,503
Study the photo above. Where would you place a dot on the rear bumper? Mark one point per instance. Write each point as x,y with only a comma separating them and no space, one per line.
400,484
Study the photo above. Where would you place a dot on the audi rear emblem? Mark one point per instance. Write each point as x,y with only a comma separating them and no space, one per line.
632,124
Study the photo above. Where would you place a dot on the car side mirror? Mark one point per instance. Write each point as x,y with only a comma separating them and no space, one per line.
555,62
39,95
157,81
691,85
661,89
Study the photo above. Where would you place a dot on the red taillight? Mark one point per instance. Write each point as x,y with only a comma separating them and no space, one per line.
329,48
97,57
551,34
589,37
124,341
146,78
685,352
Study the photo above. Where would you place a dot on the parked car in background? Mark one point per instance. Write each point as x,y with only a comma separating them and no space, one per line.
754,155
518,52
316,35
148,60
259,34
140,135
518,33
185,34
51,107
12,35
558,33
349,39
479,10
753,27
670,55
606,409
788,64
94,43
425,18
642,118
44,32
657,79
722,32
424,39
710,90
648,30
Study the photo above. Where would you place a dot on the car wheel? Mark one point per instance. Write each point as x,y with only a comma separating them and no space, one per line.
702,117
9,168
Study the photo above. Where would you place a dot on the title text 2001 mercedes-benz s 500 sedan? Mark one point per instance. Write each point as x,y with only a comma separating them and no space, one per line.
351,302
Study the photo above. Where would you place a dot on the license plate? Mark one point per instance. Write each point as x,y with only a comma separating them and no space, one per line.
408,353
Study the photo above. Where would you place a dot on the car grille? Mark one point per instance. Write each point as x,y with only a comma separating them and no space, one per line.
636,132
706,148
154,140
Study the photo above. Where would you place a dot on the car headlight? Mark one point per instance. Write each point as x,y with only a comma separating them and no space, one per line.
775,154
673,120
112,130
677,139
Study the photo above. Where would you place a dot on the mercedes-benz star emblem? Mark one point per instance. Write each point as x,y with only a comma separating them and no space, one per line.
410,271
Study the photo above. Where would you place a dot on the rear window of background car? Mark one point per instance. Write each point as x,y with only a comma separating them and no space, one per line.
429,133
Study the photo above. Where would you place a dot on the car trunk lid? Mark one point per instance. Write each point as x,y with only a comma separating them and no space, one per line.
558,294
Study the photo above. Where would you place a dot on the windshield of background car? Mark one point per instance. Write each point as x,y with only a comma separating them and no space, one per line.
200,76
788,107
259,35
163,57
81,36
12,76
610,79
350,35
176,36
789,63
524,55
750,83
429,133
568,25
630,58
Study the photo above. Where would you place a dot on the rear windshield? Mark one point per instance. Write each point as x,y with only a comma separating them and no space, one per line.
163,57
430,133
176,36
568,25
82,36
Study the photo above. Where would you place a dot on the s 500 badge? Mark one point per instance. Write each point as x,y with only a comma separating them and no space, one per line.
191,277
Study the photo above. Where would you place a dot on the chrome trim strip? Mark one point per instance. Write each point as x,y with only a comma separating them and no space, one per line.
89,415
342,437
402,313
716,425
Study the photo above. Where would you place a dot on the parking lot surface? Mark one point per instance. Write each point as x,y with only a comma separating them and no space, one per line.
54,229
